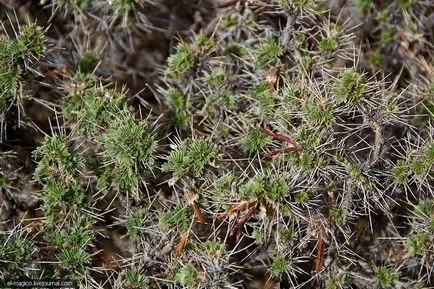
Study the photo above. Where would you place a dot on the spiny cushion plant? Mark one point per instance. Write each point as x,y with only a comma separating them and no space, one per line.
17,53
282,143
342,118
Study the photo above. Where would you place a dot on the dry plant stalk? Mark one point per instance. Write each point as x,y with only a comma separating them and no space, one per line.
376,127
62,71
227,4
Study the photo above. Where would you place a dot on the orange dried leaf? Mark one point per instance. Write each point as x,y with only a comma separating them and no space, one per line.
181,245
191,199
198,213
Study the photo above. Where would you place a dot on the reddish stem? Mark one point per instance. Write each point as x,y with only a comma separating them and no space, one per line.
319,263
273,153
238,227
233,209
267,131
281,138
